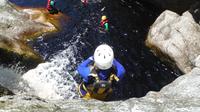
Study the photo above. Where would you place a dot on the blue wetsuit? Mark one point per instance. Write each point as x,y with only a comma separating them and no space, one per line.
84,70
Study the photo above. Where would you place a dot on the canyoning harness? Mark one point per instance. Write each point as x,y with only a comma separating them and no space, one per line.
95,72
97,88
104,23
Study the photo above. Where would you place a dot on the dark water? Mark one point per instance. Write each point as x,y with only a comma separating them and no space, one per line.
129,22
195,11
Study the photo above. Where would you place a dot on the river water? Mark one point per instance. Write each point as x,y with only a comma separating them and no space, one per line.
129,22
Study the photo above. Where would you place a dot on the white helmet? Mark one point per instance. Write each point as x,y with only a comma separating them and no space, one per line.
103,57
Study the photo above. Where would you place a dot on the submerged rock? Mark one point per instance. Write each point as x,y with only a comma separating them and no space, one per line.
177,37
16,26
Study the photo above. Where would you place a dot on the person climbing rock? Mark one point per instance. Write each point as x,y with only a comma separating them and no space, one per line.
99,71
85,2
104,22
51,7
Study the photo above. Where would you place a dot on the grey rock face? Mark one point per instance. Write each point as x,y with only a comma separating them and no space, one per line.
182,95
25,104
178,37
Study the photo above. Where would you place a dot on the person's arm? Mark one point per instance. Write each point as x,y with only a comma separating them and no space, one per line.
120,69
106,26
84,69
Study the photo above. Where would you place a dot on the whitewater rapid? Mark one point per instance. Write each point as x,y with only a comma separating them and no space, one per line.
54,79
10,78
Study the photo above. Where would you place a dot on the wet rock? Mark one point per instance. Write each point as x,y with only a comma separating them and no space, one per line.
180,95
21,104
178,6
18,25
185,87
5,91
176,38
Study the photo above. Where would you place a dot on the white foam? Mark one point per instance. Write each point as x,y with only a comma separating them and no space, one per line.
52,80
3,2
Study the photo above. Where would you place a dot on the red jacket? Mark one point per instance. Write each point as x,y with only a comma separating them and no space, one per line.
103,22
48,5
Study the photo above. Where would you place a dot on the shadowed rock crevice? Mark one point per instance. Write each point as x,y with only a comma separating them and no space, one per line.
11,58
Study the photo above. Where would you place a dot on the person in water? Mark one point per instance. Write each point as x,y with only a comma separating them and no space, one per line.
103,64
51,7
104,22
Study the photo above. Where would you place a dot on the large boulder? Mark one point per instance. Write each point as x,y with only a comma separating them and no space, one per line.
177,37
17,25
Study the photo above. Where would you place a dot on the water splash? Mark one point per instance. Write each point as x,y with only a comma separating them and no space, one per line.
10,78
52,80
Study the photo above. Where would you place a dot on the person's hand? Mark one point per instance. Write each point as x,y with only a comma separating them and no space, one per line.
91,58
113,78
